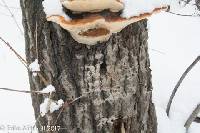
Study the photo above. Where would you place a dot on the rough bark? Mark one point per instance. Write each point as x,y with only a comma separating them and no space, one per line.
117,72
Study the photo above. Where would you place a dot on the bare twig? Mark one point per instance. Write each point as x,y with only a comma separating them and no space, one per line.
66,104
184,15
23,61
43,79
158,51
192,117
179,83
12,15
36,41
22,91
5,14
15,52
11,7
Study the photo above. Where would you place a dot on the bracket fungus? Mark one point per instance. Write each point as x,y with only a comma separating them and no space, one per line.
91,28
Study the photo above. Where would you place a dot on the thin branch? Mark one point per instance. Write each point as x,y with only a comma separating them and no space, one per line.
12,15
23,60
5,14
43,79
158,51
14,51
67,103
192,117
183,15
36,41
23,91
11,7
179,83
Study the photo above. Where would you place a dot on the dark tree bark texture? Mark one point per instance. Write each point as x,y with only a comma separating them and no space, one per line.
116,73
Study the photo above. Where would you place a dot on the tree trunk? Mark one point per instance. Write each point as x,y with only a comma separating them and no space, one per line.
116,73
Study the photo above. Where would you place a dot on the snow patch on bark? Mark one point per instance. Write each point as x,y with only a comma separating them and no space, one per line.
48,89
34,67
53,106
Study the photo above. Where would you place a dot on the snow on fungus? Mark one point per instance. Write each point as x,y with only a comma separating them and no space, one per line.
54,7
92,5
98,27
138,7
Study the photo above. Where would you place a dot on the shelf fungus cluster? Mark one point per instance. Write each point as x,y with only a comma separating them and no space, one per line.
93,21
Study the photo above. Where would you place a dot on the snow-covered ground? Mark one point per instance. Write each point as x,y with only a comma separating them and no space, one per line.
176,37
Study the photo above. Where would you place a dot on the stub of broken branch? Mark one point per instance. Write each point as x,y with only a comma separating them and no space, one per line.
96,27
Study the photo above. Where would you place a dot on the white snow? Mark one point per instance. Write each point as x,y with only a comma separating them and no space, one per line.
43,107
195,128
34,66
176,37
54,105
164,124
131,7
49,89
137,7
54,7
